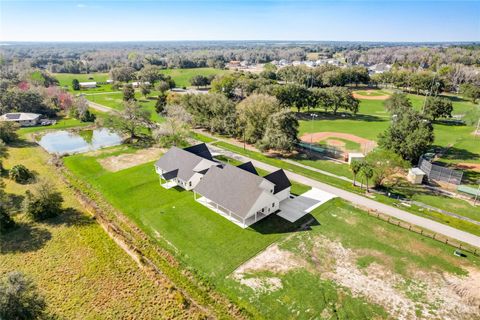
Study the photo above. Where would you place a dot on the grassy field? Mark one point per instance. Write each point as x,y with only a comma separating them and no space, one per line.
182,76
459,206
114,100
80,270
215,247
373,119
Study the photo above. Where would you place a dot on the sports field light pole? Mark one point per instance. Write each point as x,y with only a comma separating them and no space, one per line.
311,134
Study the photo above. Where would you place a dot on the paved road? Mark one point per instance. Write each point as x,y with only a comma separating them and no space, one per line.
364,202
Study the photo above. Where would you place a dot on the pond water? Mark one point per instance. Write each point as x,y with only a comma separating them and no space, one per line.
63,142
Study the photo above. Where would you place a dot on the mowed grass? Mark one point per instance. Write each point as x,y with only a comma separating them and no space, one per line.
203,239
182,76
307,292
65,80
115,101
80,270
373,119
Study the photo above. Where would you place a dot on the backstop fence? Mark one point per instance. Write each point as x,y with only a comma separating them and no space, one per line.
323,151
439,173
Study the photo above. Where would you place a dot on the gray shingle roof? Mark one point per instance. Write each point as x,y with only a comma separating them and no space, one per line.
232,188
184,161
279,179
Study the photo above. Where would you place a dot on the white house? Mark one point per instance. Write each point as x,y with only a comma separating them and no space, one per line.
237,193
184,167
109,81
24,119
88,85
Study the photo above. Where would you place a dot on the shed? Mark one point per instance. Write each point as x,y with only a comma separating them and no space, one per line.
415,175
354,156
91,84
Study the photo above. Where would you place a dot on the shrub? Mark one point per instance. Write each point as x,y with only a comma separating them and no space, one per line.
19,298
20,174
6,222
43,203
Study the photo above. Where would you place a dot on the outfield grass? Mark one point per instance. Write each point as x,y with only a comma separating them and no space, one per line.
182,76
373,119
82,272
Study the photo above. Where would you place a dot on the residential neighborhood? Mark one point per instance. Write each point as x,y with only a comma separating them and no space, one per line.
239,160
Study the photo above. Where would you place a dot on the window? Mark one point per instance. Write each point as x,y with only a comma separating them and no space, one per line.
263,209
273,205
190,183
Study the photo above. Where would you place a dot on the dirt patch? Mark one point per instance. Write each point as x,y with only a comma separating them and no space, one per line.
365,144
368,96
273,259
336,143
128,160
469,166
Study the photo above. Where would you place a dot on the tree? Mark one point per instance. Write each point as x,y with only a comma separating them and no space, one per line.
294,95
161,102
253,113
8,131
150,74
175,129
408,135
385,163
131,121
398,103
436,107
43,203
123,74
336,98
163,86
3,153
355,167
215,112
225,85
145,89
199,81
128,93
80,110
367,172
470,91
19,298
20,174
281,132
75,84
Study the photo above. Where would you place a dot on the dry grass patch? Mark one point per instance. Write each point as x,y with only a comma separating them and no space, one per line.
128,160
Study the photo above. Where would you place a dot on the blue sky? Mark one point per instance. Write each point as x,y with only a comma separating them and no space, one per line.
353,20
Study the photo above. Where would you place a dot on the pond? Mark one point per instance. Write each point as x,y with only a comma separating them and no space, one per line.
63,142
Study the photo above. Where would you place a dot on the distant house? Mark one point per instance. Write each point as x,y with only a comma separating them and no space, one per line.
88,85
237,193
379,68
137,84
24,119
109,81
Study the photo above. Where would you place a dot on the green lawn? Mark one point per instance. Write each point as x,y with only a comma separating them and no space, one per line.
62,123
182,76
114,100
205,241
215,247
65,80
460,207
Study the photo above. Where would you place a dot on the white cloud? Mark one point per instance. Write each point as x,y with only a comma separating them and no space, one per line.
81,5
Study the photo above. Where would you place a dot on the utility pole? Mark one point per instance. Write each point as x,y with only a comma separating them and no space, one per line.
313,115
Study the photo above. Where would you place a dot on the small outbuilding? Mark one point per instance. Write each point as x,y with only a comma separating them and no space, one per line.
88,85
415,175
354,156
24,119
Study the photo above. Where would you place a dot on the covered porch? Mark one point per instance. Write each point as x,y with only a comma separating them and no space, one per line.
228,214
168,179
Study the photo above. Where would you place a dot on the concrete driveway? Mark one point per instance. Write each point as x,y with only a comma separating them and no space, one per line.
294,208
